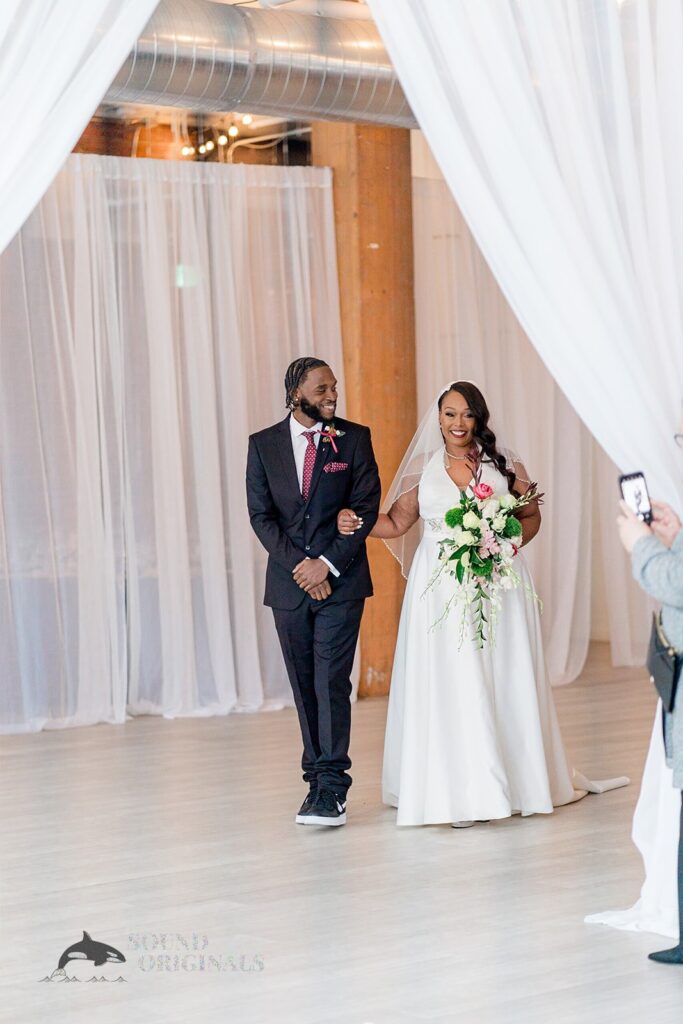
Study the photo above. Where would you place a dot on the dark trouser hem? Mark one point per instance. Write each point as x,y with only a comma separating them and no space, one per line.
318,642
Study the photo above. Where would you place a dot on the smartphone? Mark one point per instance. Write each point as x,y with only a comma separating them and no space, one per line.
634,493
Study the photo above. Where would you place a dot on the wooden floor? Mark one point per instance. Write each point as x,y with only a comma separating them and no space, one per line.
185,829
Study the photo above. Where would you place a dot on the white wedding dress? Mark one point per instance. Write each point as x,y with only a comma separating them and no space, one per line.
471,734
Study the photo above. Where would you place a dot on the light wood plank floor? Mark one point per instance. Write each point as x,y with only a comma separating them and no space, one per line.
186,827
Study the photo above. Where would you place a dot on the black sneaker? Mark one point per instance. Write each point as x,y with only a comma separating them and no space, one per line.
328,809
306,807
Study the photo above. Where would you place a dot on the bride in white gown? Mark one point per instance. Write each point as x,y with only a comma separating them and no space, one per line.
471,734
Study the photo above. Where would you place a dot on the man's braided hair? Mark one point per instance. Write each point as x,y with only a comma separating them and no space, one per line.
296,374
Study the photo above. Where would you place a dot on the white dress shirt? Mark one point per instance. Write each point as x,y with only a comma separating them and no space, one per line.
299,445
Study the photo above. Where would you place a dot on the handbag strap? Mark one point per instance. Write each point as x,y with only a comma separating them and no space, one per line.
663,639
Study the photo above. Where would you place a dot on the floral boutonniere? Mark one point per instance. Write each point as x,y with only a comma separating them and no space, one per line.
329,434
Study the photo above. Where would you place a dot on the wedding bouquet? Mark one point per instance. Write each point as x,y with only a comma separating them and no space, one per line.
483,538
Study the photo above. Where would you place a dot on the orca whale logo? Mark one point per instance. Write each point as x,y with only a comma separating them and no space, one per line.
87,949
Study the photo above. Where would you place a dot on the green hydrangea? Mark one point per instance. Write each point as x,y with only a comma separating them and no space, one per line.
513,528
454,517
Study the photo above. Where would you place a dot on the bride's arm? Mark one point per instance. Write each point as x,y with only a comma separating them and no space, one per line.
403,514
530,515
394,523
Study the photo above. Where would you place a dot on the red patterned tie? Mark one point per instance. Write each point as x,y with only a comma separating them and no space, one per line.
309,463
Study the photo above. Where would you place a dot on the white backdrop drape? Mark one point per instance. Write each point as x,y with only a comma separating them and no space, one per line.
556,126
57,60
148,310
465,328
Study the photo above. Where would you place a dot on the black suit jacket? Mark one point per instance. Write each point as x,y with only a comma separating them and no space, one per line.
292,529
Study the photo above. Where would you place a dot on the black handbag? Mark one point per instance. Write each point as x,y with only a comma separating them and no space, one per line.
663,664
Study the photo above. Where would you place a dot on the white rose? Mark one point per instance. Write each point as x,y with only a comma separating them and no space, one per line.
467,538
471,521
508,500
498,523
465,560
491,508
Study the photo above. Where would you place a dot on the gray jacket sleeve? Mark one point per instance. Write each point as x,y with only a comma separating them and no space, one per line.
659,570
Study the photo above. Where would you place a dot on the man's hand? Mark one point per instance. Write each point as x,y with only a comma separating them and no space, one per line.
320,592
310,573
630,527
666,523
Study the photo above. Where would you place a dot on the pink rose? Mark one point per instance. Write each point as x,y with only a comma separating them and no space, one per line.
483,491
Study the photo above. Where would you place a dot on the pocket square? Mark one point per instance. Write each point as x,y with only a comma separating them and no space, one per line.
335,467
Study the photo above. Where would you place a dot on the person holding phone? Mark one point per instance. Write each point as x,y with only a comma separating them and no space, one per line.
656,551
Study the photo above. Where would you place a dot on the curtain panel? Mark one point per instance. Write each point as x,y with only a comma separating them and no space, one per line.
556,125
57,61
465,328
148,310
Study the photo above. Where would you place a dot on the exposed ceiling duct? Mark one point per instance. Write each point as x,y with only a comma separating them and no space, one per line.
210,57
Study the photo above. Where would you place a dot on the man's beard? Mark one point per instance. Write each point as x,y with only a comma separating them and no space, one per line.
314,412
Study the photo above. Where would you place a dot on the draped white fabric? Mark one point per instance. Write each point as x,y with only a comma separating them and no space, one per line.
57,60
555,124
465,328
148,310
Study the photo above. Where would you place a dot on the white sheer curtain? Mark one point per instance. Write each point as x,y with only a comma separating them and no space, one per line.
556,126
57,60
148,310
465,328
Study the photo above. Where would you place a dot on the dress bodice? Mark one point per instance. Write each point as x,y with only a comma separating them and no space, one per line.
437,492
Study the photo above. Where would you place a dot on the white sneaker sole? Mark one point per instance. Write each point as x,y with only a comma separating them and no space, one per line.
315,819
462,824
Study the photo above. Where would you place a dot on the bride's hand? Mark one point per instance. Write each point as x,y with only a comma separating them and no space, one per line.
348,522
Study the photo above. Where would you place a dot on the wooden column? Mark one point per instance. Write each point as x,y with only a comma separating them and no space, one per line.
373,215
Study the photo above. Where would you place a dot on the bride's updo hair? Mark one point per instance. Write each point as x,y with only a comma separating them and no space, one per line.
483,435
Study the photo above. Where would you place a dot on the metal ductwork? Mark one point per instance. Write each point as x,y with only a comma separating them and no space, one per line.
211,57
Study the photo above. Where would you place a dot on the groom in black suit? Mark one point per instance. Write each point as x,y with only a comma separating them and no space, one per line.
300,474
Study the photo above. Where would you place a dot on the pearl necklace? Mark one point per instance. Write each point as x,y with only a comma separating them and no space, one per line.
460,458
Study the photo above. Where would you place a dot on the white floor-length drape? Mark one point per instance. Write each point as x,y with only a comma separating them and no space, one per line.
148,310
465,328
57,60
555,124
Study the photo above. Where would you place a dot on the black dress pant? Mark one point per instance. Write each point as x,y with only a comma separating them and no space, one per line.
318,641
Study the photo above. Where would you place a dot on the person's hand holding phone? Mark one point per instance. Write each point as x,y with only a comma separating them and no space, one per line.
665,524
630,527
